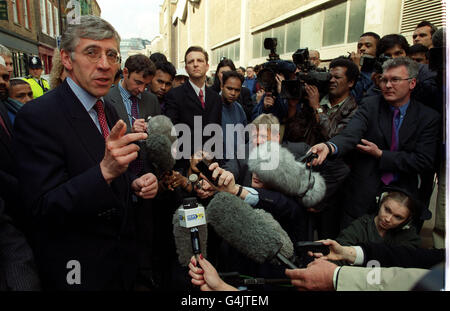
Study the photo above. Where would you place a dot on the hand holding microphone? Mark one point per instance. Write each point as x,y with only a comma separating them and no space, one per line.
204,274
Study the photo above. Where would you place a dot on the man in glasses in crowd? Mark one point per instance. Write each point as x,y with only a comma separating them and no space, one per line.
72,155
395,138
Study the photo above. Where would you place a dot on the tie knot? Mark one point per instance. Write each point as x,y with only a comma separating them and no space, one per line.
200,93
98,106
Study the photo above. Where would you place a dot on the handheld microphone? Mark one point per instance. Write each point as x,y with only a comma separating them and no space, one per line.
189,228
159,144
253,232
290,177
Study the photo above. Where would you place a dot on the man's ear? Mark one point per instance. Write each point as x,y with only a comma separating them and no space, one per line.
125,72
412,84
66,60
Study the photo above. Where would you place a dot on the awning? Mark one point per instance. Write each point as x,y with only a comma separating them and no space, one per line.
180,12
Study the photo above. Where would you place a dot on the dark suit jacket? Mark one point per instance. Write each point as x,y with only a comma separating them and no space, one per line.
418,141
75,214
183,105
148,105
17,268
8,181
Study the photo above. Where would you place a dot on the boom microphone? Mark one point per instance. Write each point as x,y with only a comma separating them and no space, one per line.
254,232
159,144
289,176
190,232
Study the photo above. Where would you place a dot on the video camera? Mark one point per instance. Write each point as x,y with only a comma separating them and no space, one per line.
267,76
307,74
370,63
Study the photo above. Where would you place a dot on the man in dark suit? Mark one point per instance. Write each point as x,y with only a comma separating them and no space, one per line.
72,154
194,99
396,136
134,105
132,102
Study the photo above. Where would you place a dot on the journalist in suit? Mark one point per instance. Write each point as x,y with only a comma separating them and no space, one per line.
194,98
371,132
137,74
72,156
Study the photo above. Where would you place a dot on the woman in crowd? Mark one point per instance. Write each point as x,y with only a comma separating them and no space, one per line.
392,225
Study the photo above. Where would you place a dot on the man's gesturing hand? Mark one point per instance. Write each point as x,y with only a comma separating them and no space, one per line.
119,151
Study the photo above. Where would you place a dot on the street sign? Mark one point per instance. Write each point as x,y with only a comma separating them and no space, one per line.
3,10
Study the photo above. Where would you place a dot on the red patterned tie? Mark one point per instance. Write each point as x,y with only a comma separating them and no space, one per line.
200,96
2,123
102,118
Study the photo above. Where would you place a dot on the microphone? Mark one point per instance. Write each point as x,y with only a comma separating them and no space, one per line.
253,232
190,230
159,144
290,177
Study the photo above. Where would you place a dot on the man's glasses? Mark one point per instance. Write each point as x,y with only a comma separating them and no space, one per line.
394,81
94,54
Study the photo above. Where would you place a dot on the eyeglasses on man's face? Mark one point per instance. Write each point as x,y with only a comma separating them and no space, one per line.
394,81
94,54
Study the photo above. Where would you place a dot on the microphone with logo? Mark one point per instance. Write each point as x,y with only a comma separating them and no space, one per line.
190,230
253,232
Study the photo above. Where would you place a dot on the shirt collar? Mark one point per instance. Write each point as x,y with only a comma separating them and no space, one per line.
402,108
124,90
326,102
197,89
86,99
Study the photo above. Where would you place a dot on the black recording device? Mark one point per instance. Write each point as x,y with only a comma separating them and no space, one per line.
267,76
307,74
307,158
302,249
203,167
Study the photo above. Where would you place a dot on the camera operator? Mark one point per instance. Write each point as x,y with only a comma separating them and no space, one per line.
271,101
326,117
364,59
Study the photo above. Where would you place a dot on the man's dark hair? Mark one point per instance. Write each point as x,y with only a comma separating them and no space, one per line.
389,41
242,68
140,63
371,34
425,24
166,67
417,48
158,57
232,74
17,81
352,71
196,49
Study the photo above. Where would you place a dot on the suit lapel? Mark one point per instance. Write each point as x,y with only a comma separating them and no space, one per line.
190,93
409,123
82,123
385,122
117,102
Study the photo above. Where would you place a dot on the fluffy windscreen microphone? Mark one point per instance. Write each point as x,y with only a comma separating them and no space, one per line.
285,174
253,232
183,240
159,144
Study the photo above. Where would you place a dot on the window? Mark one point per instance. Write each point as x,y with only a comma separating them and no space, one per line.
357,18
15,11
334,25
311,24
231,51
56,15
293,36
257,45
279,34
25,14
50,18
43,17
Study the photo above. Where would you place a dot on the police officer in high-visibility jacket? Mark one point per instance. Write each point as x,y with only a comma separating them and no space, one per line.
38,85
